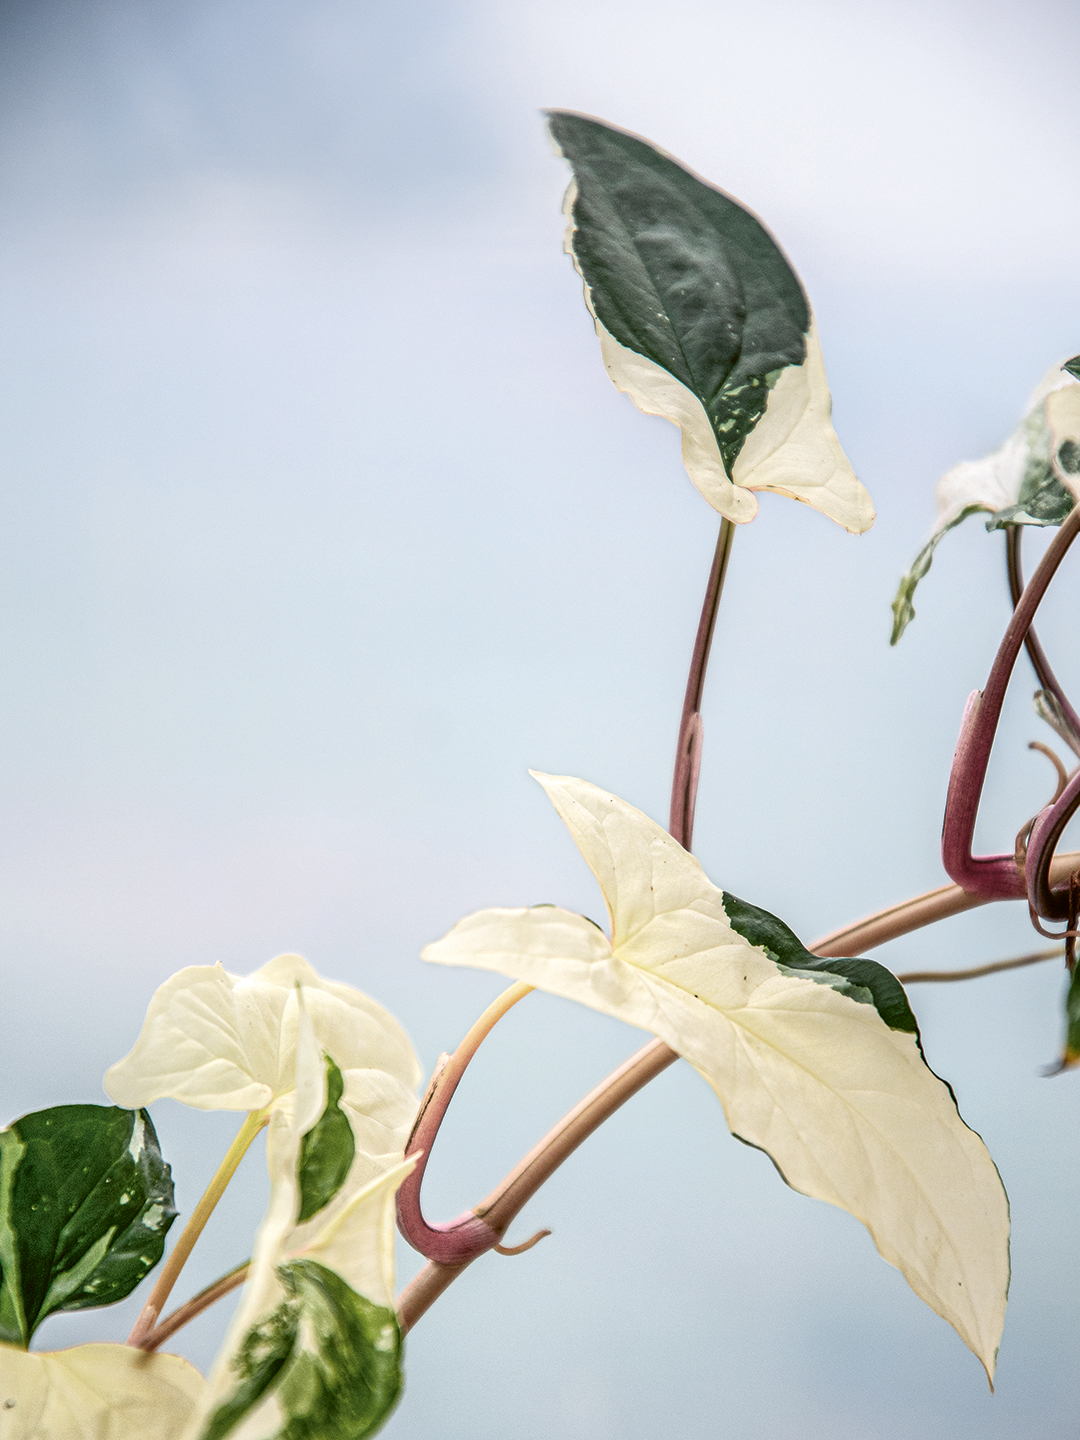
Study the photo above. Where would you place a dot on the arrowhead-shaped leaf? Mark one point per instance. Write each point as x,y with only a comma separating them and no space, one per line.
816,1062
702,320
85,1204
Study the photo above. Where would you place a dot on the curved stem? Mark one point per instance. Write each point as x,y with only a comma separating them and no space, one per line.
1044,897
456,1242
688,750
504,1202
1036,654
194,1227
996,876
542,1161
1049,824
469,1235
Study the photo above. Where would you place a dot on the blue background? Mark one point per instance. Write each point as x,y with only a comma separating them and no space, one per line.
321,522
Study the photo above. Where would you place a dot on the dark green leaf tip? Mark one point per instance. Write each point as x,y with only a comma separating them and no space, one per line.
682,274
1073,367
864,981
327,1150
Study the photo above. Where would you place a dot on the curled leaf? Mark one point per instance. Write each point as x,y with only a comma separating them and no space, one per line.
314,1350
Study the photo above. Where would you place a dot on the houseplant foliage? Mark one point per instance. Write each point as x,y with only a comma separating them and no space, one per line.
814,1052
1031,479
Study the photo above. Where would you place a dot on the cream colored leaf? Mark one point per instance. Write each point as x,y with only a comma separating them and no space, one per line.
844,1105
95,1392
219,1041
353,1236
993,483
792,451
358,1238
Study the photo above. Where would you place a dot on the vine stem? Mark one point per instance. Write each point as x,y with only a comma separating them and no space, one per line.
684,783
469,1234
195,1306
996,875
1036,654
144,1326
918,977
503,1204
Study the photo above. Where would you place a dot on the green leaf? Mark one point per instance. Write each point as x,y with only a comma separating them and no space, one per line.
1073,367
1015,485
329,1359
902,608
327,1150
863,980
1042,499
702,320
85,1203
683,274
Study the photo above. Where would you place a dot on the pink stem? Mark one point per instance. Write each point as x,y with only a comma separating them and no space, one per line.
1051,904
995,876
455,1242
1036,654
684,783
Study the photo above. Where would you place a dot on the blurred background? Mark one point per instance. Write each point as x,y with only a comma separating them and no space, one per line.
321,523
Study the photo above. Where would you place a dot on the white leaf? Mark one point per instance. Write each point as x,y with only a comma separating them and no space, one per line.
1028,464
844,1105
993,483
219,1041
95,1392
353,1236
793,450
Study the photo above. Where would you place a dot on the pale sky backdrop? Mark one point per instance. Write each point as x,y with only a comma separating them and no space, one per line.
321,523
